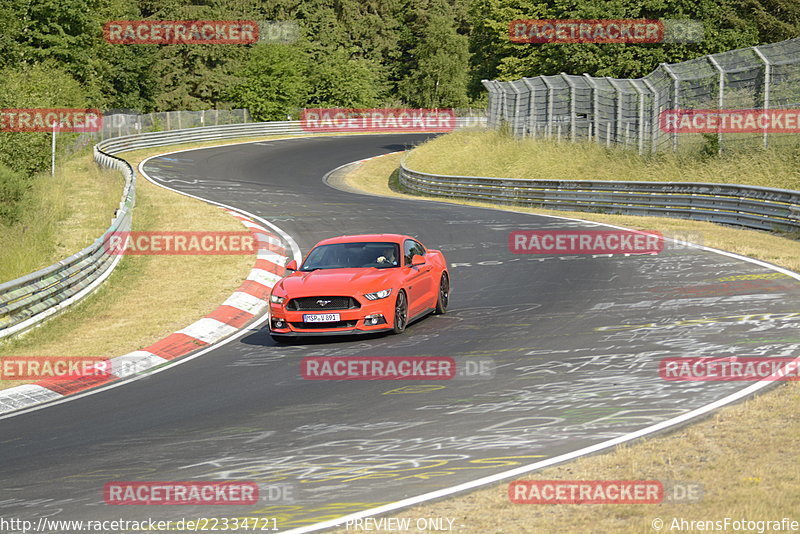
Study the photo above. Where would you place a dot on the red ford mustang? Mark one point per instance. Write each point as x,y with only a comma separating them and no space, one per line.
359,284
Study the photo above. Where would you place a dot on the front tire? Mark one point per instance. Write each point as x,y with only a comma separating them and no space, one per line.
400,313
444,295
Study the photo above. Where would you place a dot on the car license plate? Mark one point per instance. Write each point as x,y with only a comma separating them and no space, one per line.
320,317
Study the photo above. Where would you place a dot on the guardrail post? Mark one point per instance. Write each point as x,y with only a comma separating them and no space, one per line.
767,83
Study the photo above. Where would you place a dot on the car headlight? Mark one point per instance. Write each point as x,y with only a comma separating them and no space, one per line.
382,294
276,299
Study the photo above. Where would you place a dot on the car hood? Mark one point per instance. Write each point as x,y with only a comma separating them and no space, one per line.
326,282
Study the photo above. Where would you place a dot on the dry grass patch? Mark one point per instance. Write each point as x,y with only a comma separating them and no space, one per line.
490,153
64,214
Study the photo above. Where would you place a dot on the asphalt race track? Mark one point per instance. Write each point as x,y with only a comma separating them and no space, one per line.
576,342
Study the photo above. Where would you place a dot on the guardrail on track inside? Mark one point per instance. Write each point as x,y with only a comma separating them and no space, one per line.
32,298
761,208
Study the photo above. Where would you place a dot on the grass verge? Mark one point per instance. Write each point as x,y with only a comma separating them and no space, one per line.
491,153
742,455
62,214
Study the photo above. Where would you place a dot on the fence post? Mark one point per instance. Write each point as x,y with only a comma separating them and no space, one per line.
720,98
491,118
517,103
572,114
503,103
595,107
654,119
641,118
618,107
676,101
549,126
767,83
531,106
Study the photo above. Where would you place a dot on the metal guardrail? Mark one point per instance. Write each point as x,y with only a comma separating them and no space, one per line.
232,131
193,135
761,208
28,300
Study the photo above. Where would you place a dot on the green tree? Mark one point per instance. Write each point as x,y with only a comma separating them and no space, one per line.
11,25
439,61
195,76
728,24
337,79
273,83
37,86
124,73
60,32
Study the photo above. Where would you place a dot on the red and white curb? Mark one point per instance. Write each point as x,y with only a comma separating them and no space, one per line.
249,301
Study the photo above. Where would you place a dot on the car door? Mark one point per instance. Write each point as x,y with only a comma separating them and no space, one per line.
417,279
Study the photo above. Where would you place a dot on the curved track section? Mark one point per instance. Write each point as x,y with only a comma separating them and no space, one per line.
576,341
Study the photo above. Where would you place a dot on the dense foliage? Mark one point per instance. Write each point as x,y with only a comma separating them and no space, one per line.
349,53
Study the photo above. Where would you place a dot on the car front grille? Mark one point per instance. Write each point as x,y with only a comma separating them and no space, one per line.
316,326
322,304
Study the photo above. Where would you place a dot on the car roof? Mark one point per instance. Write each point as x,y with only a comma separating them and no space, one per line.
393,238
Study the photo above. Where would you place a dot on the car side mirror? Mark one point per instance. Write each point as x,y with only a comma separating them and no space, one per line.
416,259
291,266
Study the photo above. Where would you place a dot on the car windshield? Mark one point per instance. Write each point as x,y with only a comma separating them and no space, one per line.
353,255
